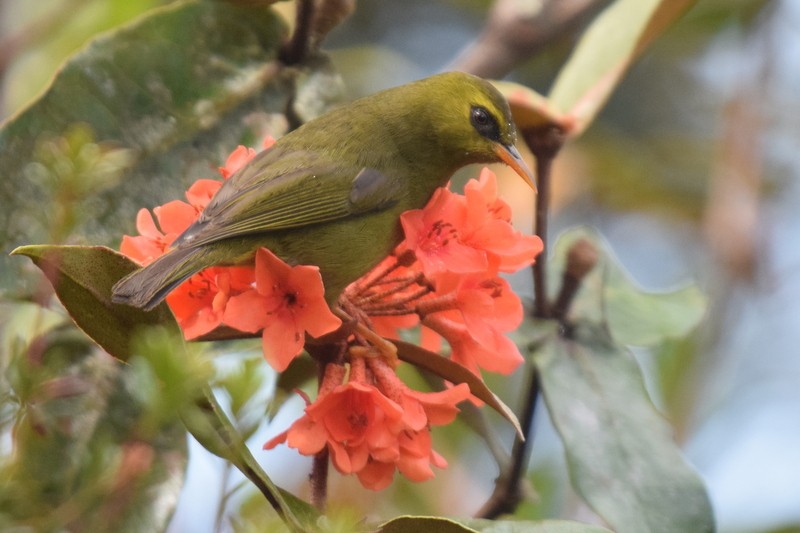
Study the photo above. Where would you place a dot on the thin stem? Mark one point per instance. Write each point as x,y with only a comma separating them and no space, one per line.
521,451
319,480
361,287
544,142
401,286
297,48
581,259
508,492
390,312
319,469
397,302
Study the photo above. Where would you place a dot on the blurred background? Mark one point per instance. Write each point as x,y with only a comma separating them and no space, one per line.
690,174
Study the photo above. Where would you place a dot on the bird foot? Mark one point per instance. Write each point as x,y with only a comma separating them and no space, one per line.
377,345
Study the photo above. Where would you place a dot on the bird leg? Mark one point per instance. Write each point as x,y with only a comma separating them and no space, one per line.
384,348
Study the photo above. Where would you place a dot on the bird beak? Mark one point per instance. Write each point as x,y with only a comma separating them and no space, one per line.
510,156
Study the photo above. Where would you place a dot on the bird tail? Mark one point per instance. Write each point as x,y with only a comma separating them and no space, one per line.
148,286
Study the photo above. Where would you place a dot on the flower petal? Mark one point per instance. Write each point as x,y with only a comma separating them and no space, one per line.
281,341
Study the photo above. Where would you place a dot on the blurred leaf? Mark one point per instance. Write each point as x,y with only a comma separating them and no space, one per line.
545,526
530,109
605,52
455,373
214,430
81,455
429,524
243,383
677,362
82,278
299,371
42,38
225,333
628,170
21,323
177,89
620,451
633,316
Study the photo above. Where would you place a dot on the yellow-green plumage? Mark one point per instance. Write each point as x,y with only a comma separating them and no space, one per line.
331,192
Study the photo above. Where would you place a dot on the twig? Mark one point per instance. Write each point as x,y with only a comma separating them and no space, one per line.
508,491
297,48
545,143
581,259
319,480
324,354
515,31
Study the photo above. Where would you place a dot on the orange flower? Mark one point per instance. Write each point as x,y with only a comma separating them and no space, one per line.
486,305
238,158
201,192
468,234
373,425
357,422
488,226
286,303
434,235
199,303
241,156
495,352
173,218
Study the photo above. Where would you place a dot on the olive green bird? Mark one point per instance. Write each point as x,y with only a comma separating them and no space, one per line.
331,192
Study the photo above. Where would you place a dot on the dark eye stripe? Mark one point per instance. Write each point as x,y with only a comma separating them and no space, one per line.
484,123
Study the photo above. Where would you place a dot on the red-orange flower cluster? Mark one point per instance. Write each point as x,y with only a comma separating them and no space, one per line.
444,277
281,301
373,424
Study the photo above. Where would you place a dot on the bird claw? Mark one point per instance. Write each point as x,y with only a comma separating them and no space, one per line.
378,346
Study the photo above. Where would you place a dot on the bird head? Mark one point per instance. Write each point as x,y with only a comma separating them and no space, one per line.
471,122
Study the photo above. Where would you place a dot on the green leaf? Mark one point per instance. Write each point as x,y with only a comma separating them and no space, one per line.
176,90
633,316
429,524
605,52
545,526
620,451
22,322
82,277
455,373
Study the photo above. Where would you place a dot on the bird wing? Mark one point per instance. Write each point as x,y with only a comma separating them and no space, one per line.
283,189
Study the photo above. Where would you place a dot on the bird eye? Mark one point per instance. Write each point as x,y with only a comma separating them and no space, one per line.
485,123
480,116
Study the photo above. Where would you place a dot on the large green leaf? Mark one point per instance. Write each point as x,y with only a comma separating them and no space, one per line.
633,316
82,277
605,52
177,90
620,451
